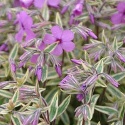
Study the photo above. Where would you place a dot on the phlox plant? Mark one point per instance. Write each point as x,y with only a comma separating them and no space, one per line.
62,62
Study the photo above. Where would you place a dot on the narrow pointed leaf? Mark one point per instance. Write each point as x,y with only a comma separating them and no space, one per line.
14,52
50,48
119,76
58,19
6,94
100,66
16,121
54,107
44,73
15,96
106,110
64,105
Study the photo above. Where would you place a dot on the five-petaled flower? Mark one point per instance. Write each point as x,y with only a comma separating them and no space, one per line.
25,23
119,17
62,37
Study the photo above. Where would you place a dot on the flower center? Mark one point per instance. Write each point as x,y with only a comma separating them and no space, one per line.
59,40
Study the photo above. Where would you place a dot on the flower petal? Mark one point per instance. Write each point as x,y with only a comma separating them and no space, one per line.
29,34
57,31
26,3
68,46
42,46
34,58
25,20
67,35
39,3
58,50
49,39
117,18
121,7
19,35
54,4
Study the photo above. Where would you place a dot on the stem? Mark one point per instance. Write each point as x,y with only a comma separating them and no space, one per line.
97,31
83,122
44,84
63,55
102,6
54,122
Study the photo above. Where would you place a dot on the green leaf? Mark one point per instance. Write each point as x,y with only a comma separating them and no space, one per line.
119,76
106,110
16,121
63,106
51,94
50,48
100,66
65,118
114,91
45,12
94,98
115,44
88,112
104,38
88,96
44,73
87,57
15,96
93,102
21,81
6,69
6,94
121,111
58,19
14,52
100,83
54,107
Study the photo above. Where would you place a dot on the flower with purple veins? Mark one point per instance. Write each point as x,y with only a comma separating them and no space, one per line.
62,37
25,23
119,17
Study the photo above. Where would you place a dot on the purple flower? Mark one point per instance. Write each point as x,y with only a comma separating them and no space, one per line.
39,72
4,47
25,23
78,8
40,3
119,17
62,37
80,97
36,3
77,11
